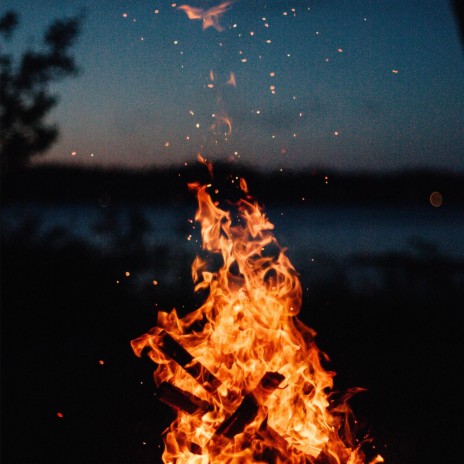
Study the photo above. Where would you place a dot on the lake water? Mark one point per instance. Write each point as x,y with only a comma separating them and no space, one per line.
338,231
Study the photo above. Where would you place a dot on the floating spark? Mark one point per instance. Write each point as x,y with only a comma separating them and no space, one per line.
209,17
232,80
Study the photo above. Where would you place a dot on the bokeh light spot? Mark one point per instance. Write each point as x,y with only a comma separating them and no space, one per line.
436,199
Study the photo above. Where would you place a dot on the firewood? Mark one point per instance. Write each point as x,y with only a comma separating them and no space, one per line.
248,408
178,353
276,448
270,381
181,400
241,417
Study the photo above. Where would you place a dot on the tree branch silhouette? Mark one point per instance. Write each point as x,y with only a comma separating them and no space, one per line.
25,98
458,7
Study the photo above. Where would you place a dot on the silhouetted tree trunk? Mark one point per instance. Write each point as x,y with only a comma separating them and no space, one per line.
25,99
458,6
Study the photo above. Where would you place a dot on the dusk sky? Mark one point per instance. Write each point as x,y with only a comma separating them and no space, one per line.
355,84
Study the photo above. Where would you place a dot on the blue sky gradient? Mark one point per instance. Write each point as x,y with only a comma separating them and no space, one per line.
359,84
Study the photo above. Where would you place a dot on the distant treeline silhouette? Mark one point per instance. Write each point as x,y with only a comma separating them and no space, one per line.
310,186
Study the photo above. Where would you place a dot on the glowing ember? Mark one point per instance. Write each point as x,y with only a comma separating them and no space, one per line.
242,371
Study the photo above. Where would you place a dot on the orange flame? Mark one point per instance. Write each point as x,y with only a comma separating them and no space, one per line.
209,17
243,372
208,164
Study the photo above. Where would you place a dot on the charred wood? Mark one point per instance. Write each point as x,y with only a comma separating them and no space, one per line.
181,400
241,417
249,407
276,448
178,353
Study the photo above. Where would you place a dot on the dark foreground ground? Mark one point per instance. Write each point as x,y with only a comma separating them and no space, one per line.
63,313
73,392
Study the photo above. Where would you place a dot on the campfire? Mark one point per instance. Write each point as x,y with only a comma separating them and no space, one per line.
242,371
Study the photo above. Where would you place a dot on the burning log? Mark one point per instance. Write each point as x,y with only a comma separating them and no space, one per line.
181,400
242,416
275,448
178,353
249,406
